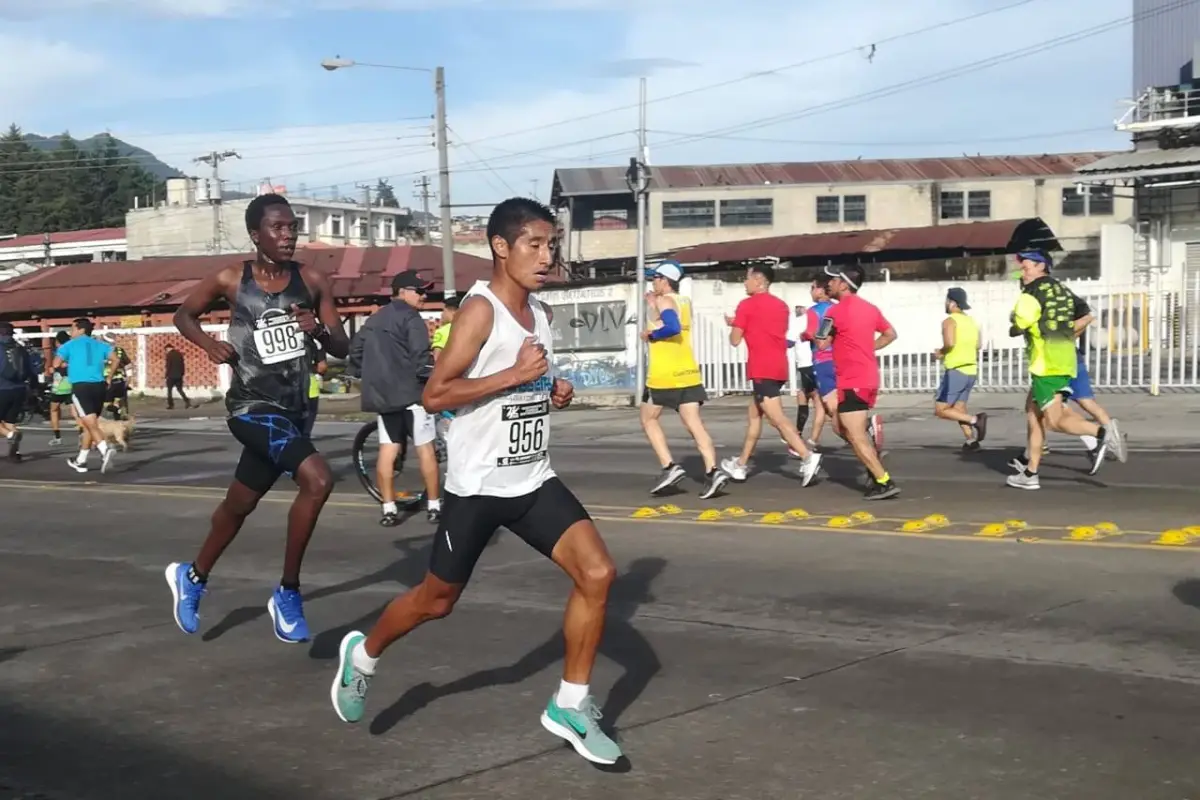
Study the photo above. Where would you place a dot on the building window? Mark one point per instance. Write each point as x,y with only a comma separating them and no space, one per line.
689,214
1097,201
387,229
829,208
854,208
747,212
335,224
302,222
362,227
979,205
951,204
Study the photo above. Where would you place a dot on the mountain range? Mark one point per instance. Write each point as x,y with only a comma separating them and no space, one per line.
144,158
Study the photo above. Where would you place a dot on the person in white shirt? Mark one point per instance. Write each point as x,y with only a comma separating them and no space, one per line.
802,347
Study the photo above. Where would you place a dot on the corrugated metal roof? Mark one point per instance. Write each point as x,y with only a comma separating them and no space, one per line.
65,237
577,181
1144,159
979,238
94,286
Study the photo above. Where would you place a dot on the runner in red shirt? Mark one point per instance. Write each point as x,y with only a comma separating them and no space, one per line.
762,321
856,329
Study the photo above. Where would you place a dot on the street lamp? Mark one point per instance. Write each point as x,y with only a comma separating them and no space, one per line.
439,89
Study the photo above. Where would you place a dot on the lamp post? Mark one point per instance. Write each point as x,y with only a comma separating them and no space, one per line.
439,89
637,178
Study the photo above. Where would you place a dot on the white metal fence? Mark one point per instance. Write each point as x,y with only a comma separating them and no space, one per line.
1141,340
147,349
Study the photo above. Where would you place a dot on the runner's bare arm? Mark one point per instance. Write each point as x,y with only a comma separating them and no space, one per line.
335,339
216,287
948,332
447,388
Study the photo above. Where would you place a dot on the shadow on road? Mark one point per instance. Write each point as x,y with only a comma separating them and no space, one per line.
622,643
52,757
1188,592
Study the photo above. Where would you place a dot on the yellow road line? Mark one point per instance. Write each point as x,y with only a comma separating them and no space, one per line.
203,493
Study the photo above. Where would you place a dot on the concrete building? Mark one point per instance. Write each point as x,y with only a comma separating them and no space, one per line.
693,205
192,219
22,255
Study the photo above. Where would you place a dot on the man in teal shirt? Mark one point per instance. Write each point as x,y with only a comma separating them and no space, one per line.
87,360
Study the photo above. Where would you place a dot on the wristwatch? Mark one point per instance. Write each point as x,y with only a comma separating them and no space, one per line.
321,331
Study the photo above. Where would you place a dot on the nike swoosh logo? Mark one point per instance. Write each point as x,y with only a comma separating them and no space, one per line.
577,727
285,626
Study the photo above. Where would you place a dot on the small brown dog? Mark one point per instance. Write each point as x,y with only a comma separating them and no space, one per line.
116,431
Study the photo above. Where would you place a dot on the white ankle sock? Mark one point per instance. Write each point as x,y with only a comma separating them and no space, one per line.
102,447
1089,442
434,504
363,662
82,457
389,508
571,695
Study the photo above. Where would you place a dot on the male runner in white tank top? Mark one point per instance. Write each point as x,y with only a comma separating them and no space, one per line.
493,373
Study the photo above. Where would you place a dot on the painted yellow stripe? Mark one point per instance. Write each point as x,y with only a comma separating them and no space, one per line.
202,493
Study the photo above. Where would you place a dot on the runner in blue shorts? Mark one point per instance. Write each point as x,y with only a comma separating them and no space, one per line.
1081,387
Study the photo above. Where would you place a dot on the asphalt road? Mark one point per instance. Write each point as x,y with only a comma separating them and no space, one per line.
753,656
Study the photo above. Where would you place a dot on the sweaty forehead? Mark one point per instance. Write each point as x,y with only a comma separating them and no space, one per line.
278,213
537,229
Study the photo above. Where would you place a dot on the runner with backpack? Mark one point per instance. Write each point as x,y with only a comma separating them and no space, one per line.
16,380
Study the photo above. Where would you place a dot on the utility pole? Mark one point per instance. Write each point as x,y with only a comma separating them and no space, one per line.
535,185
47,251
638,178
214,160
366,187
443,147
424,196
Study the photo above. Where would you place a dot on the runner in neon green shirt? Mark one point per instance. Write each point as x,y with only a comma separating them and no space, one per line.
442,335
1045,316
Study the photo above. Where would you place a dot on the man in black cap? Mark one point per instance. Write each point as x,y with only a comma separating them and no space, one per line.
392,355
959,354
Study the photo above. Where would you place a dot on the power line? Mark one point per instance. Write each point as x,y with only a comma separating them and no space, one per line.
894,143
485,164
761,73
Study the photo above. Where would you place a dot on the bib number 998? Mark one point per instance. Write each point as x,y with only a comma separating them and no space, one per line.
279,343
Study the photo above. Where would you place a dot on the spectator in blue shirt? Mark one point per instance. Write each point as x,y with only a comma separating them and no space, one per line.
86,360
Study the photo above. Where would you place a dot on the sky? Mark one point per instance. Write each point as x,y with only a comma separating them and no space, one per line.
534,85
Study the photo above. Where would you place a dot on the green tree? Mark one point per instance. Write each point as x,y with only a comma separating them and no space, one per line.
67,188
386,195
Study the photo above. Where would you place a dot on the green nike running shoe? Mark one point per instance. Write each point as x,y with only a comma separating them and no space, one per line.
349,690
582,730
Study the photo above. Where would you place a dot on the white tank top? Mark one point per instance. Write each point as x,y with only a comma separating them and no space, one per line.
500,446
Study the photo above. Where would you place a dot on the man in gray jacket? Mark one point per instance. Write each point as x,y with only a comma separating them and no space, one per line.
392,356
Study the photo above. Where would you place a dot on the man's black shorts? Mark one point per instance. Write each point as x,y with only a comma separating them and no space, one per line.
117,390
468,523
89,398
272,445
766,389
808,381
12,404
674,398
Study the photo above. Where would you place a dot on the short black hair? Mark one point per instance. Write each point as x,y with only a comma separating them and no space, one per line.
258,209
767,272
84,324
452,302
856,274
511,216
62,337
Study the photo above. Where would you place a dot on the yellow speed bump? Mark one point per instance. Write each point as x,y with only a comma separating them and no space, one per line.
1084,533
840,522
736,511
1174,538
797,513
1016,524
1192,530
937,520
1108,528
862,516
996,529
773,518
915,526
645,513
709,515
670,509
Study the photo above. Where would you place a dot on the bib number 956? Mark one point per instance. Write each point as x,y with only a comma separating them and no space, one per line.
526,436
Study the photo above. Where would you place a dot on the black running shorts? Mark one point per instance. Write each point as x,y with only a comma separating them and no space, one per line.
272,445
12,404
808,380
766,389
468,523
89,398
674,398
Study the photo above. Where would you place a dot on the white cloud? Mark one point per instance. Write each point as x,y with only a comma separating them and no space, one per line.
1067,89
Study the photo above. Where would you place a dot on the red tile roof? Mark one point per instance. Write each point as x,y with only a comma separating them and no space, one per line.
65,237
576,181
356,272
1000,236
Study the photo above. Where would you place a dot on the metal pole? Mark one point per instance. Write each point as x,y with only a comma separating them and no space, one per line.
443,147
641,242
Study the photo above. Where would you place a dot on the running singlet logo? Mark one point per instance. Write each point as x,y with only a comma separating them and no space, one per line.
525,414
277,337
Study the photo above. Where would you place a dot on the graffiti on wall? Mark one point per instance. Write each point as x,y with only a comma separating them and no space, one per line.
590,326
608,372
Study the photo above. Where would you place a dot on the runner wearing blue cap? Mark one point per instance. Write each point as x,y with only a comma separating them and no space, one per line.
673,379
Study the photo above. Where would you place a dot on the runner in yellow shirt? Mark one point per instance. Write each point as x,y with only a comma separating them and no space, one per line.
673,380
442,335
960,356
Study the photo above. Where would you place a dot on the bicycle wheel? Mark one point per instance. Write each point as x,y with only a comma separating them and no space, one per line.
366,446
